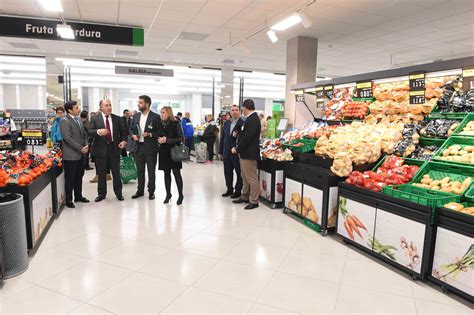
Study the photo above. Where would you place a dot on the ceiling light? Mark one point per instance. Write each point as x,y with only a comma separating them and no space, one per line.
227,96
52,5
287,23
65,31
305,20
272,36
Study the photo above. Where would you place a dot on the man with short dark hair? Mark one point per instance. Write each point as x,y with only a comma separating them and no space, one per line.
144,131
74,148
248,148
179,116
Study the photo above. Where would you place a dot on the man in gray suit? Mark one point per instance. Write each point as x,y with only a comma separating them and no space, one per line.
74,148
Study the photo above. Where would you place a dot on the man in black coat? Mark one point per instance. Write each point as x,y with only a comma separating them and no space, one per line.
144,132
248,148
109,137
127,121
228,141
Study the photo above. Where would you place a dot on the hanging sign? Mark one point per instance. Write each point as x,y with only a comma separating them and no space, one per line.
468,78
144,71
84,32
417,81
32,137
364,89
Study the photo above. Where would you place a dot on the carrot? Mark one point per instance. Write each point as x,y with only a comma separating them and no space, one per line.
353,225
349,231
359,223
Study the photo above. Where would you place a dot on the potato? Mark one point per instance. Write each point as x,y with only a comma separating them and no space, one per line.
435,183
463,152
307,203
445,180
471,160
465,159
426,180
457,191
426,176
446,152
467,181
434,188
454,152
296,198
447,189
456,147
469,148
445,185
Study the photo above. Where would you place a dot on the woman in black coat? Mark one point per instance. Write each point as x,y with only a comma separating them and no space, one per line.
171,135
209,136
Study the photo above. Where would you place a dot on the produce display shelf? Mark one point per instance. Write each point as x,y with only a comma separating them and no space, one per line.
435,114
326,162
420,195
469,194
271,182
459,129
462,141
308,145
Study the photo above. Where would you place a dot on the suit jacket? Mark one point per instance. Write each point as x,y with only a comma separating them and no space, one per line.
74,138
248,141
228,141
99,144
153,125
128,123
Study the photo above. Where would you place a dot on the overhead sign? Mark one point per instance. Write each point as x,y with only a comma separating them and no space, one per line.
84,32
144,71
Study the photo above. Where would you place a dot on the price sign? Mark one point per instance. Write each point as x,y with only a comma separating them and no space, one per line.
468,78
299,97
364,89
319,97
33,137
417,97
328,91
417,81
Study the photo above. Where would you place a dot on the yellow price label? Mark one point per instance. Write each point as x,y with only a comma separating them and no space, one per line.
328,88
319,88
37,134
364,85
468,73
417,76
417,93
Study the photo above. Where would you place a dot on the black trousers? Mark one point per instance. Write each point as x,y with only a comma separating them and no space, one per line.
73,173
104,164
143,160
210,148
231,164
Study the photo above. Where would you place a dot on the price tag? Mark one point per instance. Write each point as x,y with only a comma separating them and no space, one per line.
417,81
468,78
299,97
33,137
328,91
364,89
417,97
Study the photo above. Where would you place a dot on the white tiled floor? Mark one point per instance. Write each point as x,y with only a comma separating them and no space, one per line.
207,256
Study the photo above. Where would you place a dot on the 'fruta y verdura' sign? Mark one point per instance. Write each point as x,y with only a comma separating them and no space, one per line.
84,32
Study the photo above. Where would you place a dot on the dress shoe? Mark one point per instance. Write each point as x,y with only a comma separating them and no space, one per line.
99,198
95,179
137,195
120,198
151,196
251,206
227,194
235,196
109,177
82,199
240,200
180,200
167,199
70,205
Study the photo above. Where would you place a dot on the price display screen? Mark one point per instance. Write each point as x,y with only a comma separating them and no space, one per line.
417,81
364,89
33,137
299,97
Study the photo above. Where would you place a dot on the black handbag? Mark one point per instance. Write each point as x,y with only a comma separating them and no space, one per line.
180,152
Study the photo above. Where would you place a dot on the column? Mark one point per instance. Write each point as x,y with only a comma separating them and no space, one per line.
227,90
301,60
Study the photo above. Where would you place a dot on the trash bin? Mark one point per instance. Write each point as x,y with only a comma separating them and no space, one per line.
13,244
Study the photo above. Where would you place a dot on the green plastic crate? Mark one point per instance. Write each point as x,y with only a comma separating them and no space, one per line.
435,114
459,119
459,129
469,194
308,145
462,141
408,161
420,195
465,204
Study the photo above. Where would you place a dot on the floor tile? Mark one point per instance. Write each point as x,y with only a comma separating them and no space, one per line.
274,237
356,300
237,280
12,286
37,300
300,294
198,301
230,229
88,309
139,294
86,280
164,237
258,255
315,243
131,255
265,309
427,307
209,245
90,245
179,266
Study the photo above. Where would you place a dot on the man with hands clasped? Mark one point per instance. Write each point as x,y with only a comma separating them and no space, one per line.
109,138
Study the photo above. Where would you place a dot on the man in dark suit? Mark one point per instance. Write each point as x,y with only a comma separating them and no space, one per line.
74,147
109,138
127,121
228,141
144,131
248,148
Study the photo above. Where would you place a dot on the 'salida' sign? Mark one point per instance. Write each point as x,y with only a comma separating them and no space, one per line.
84,32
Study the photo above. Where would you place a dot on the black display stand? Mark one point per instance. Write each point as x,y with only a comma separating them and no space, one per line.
274,170
33,206
316,183
389,221
452,237
58,202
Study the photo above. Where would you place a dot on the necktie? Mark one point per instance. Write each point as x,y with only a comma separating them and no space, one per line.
109,135
78,123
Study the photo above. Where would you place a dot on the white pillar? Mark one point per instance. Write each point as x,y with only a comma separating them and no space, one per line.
227,90
196,108
10,96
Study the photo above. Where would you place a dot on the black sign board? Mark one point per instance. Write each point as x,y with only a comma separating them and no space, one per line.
84,32
364,89
417,81
329,91
417,97
33,137
299,97
319,96
468,78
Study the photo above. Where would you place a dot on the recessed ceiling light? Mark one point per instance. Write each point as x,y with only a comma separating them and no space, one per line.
65,31
52,5
287,23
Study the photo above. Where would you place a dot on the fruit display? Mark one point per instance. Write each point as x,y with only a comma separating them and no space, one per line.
393,171
333,108
22,168
460,208
458,153
355,110
439,128
445,185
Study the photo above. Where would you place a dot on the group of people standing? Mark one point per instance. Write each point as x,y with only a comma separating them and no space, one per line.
145,134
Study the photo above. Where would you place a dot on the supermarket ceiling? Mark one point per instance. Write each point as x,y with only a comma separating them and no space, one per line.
355,36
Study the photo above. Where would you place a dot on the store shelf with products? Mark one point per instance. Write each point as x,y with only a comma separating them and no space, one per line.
270,176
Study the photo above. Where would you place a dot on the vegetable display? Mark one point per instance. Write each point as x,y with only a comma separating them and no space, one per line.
460,208
445,185
458,153
439,128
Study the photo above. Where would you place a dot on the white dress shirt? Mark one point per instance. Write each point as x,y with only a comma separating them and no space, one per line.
143,119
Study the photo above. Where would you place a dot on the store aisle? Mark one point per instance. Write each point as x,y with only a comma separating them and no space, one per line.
207,256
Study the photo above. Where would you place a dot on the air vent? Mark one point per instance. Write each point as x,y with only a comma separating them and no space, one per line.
193,36
229,61
23,45
128,53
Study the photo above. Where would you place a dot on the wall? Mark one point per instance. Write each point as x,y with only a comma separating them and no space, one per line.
22,96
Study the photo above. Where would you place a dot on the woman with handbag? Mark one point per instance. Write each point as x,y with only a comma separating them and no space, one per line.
172,151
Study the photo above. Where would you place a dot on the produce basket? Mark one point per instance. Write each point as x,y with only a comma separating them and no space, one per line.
435,114
421,196
308,145
461,141
469,194
408,161
459,129
431,118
